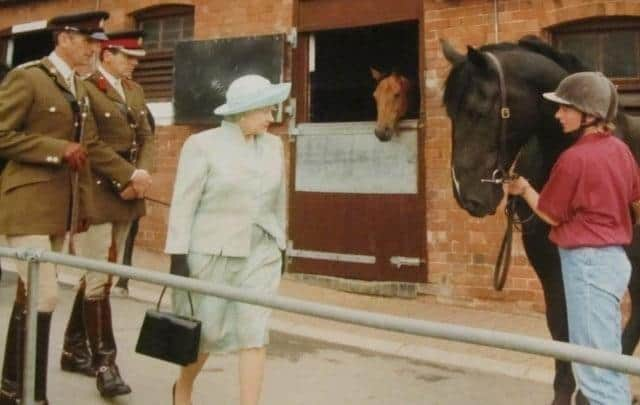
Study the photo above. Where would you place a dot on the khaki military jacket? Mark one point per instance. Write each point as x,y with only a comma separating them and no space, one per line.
124,126
36,124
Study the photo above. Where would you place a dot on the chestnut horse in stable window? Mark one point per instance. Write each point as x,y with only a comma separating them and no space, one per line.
392,102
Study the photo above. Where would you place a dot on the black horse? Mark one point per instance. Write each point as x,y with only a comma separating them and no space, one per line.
485,145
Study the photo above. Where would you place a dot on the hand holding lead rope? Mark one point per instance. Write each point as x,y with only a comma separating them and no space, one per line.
517,186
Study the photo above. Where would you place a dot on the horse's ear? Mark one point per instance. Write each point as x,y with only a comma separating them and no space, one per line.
376,74
476,57
454,57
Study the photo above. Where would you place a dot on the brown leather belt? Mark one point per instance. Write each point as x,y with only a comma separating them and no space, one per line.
130,155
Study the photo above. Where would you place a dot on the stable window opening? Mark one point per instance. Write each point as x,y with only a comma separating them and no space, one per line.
163,27
610,45
340,82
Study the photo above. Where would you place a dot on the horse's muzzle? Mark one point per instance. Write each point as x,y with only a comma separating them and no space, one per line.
476,208
383,134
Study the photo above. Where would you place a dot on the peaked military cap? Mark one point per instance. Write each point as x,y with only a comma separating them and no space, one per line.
127,42
90,23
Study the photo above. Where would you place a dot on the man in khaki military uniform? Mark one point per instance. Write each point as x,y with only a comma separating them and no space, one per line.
46,134
118,106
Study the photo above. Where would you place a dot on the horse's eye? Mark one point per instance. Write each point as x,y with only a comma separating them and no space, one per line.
397,95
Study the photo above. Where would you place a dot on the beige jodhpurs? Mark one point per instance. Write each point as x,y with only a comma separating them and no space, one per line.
47,280
95,244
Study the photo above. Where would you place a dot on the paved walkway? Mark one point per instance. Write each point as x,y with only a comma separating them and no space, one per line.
433,351
299,371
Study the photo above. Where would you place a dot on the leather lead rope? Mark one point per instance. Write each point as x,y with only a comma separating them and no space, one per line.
501,269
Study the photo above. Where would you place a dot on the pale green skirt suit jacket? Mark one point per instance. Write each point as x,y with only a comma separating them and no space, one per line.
228,214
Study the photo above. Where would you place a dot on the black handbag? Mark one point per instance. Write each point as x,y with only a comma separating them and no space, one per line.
169,337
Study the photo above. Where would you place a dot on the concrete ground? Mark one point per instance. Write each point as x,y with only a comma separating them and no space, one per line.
432,351
299,371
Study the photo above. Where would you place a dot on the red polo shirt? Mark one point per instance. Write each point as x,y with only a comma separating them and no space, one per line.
590,191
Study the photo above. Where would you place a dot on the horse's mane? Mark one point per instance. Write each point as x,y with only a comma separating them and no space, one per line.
462,74
567,61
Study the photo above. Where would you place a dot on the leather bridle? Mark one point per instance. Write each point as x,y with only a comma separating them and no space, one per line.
500,173
498,176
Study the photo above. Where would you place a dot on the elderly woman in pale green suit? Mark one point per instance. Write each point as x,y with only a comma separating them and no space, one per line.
227,225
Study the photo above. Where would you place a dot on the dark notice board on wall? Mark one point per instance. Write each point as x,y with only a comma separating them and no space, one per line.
204,70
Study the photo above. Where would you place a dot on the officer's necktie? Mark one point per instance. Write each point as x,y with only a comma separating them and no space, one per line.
71,84
120,89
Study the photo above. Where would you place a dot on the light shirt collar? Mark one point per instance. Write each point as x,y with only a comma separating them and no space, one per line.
113,81
233,128
62,67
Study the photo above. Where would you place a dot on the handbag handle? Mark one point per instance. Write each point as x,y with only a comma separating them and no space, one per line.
164,288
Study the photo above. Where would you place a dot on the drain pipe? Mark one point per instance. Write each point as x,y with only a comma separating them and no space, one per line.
495,20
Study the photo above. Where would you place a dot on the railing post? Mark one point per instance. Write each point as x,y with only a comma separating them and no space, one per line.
29,370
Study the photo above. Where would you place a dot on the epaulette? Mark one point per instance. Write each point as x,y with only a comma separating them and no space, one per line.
32,63
98,80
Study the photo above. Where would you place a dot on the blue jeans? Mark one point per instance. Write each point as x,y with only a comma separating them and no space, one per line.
595,280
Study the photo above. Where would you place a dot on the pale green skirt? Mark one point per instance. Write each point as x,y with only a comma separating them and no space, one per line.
228,326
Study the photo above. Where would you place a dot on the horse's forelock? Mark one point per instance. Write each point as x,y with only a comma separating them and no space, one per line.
460,79
391,80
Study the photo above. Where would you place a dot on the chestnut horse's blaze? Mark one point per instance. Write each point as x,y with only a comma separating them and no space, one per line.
392,102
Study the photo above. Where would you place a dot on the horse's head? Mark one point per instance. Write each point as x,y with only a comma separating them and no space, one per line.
392,101
486,137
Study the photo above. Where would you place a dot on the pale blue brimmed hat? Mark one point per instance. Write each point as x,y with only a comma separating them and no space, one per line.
251,92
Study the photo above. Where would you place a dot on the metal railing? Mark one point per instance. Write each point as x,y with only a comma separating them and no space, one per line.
458,333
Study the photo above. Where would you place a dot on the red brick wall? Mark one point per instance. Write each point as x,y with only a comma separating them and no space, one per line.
153,226
461,250
223,18
120,11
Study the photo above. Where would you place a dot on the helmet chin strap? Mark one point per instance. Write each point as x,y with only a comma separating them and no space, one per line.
578,132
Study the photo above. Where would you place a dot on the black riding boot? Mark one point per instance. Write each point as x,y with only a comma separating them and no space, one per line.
76,356
42,356
97,314
11,389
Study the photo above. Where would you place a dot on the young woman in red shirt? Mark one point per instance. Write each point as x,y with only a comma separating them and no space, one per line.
587,201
